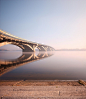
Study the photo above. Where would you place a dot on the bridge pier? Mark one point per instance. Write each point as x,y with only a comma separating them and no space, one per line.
41,48
27,48
48,49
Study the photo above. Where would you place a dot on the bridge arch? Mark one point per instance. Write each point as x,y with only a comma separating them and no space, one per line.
6,43
25,45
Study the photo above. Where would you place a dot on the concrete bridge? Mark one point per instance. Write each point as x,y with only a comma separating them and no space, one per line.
8,65
25,45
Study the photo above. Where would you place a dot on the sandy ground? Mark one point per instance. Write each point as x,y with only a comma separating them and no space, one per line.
42,89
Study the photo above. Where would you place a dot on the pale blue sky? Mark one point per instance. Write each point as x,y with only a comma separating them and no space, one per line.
57,23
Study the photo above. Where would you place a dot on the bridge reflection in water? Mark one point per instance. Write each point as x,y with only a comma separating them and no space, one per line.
26,57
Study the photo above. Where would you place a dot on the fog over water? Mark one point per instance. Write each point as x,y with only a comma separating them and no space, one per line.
58,65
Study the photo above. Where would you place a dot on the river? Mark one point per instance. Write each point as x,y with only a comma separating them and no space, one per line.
55,65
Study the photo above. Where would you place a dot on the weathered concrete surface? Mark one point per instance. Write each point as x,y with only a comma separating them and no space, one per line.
43,92
39,83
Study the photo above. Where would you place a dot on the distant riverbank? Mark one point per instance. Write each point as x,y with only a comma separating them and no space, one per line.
71,50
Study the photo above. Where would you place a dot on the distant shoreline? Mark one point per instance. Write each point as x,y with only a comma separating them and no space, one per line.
70,50
10,50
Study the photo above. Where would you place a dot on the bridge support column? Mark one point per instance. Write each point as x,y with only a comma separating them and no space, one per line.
41,48
52,49
28,48
49,49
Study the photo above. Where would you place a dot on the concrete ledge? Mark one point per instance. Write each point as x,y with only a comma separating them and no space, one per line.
40,83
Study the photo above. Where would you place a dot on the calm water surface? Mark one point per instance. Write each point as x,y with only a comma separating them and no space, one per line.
58,65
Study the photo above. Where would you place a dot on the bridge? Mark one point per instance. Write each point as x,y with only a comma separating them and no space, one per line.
25,45
8,65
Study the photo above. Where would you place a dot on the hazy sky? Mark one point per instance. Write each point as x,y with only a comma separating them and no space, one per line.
57,23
